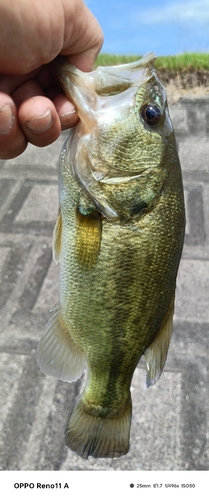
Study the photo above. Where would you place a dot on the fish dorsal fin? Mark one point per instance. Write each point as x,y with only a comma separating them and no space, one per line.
57,355
56,240
156,354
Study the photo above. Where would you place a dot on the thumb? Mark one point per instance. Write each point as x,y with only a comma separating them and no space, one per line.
83,39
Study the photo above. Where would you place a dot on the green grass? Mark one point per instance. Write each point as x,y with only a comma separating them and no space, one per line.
181,62
192,61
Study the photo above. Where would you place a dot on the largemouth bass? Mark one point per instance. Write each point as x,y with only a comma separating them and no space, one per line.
118,240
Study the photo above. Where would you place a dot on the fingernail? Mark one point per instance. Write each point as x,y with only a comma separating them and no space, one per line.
66,118
6,119
41,124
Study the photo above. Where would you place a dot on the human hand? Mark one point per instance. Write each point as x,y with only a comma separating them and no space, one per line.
32,106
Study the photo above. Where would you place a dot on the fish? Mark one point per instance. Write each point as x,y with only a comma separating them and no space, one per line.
118,240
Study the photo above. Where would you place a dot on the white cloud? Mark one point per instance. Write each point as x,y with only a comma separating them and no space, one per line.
186,11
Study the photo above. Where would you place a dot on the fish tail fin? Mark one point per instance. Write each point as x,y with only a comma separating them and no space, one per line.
57,354
156,354
100,437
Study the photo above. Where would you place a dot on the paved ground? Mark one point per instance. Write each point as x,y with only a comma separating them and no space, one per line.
170,420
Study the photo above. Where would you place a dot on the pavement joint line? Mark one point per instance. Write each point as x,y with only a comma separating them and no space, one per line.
38,175
12,302
6,408
36,436
13,193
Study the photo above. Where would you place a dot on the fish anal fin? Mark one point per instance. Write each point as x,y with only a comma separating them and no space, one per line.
88,238
56,240
99,437
57,354
156,354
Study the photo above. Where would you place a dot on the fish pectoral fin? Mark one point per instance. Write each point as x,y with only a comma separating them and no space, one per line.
156,354
88,238
56,240
57,354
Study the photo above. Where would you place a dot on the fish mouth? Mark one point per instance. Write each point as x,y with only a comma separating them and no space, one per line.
104,90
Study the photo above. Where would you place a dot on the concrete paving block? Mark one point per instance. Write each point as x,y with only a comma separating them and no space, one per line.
33,445
194,154
40,205
10,371
197,114
4,254
46,156
195,232
206,212
179,120
48,295
192,295
6,185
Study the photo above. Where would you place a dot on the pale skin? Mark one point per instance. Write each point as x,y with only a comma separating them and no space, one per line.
33,32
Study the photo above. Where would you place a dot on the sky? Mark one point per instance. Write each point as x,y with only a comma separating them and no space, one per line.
164,27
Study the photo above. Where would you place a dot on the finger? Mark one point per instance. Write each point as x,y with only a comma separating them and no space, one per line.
65,108
26,90
12,139
8,84
39,120
83,43
66,111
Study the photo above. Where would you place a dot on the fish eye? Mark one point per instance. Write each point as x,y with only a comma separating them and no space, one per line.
151,114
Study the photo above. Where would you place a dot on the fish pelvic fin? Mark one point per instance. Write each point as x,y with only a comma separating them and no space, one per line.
99,437
88,238
56,240
57,354
156,354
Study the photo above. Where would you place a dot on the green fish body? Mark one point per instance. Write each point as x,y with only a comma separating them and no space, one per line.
118,240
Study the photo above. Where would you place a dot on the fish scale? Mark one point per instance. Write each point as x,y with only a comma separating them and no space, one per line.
118,241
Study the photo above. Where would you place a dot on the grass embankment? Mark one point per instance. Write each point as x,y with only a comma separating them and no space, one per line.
189,69
180,62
